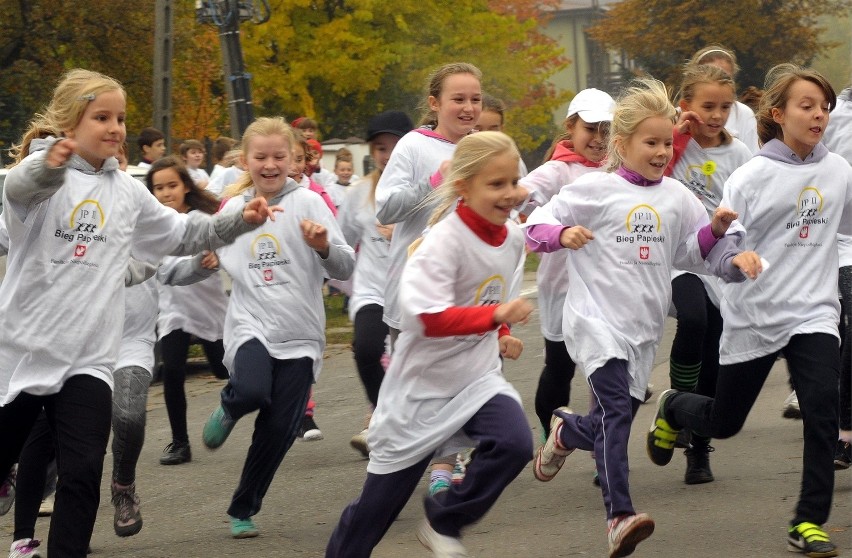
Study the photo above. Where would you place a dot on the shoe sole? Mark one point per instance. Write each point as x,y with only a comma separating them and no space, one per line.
424,540
792,547
128,530
792,414
841,465
245,535
641,531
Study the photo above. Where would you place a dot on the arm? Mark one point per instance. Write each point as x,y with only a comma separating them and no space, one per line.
183,271
398,192
324,237
37,177
138,272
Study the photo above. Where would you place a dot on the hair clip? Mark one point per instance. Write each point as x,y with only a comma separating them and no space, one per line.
87,97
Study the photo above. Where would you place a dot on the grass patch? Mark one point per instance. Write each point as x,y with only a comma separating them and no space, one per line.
531,263
338,328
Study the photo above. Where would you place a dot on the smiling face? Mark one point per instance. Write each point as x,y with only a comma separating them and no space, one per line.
170,190
649,148
494,191
712,102
194,157
804,117
344,171
589,139
101,130
298,163
267,160
458,107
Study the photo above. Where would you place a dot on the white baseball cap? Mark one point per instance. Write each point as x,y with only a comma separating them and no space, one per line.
593,105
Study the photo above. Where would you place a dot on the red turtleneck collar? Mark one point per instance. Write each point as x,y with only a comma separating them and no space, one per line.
490,233
564,152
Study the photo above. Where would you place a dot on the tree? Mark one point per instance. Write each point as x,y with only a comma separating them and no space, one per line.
341,61
661,35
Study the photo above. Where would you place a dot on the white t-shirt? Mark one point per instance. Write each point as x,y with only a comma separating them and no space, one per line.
198,175
619,284
276,296
358,222
224,179
140,326
62,300
704,170
838,138
742,124
401,189
791,214
198,309
434,385
551,276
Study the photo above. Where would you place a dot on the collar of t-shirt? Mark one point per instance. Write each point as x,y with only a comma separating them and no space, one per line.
634,177
491,234
777,150
430,133
565,153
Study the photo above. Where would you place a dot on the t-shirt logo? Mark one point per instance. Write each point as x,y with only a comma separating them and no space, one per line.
79,250
84,224
490,291
643,219
265,255
267,275
644,252
809,206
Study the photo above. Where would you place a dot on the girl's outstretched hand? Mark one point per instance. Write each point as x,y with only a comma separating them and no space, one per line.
749,263
513,312
511,347
60,152
316,236
257,211
575,237
210,260
686,118
722,219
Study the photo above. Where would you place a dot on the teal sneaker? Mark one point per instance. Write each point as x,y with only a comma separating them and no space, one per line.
243,528
217,428
661,437
809,539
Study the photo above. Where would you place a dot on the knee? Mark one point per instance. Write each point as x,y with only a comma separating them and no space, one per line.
692,322
516,449
366,352
727,430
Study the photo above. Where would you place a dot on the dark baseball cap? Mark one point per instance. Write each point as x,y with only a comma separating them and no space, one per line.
393,122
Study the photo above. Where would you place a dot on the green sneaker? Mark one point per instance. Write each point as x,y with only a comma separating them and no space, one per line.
809,539
661,436
217,428
243,528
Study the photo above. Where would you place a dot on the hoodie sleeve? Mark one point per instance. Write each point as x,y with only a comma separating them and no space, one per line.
31,181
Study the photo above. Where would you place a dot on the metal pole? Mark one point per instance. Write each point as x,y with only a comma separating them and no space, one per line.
163,50
236,78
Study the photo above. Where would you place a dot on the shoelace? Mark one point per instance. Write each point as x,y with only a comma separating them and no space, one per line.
125,503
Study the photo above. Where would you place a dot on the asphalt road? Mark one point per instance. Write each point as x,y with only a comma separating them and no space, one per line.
743,513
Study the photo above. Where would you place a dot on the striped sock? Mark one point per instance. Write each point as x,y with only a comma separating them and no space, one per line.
684,377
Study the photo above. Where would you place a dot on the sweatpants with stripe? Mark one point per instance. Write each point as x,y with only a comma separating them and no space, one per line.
606,431
504,447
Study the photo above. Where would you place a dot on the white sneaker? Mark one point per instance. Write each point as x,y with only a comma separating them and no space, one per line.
7,491
441,546
309,431
25,548
46,507
359,442
550,456
791,407
626,531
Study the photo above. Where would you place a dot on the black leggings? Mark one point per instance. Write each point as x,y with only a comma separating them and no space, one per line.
368,346
554,384
175,348
813,361
695,348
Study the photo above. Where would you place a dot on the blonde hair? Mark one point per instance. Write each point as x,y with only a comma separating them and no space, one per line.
712,53
436,86
645,98
75,90
262,127
469,159
695,75
779,80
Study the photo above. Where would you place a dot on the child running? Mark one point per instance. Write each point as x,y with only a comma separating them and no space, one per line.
458,289
580,150
361,229
705,156
626,231
186,310
73,219
793,308
275,325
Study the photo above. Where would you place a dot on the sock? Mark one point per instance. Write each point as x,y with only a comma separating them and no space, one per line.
438,474
684,377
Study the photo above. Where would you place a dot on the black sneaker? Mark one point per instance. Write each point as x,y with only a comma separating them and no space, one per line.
176,453
309,431
842,455
809,539
698,464
661,438
684,439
